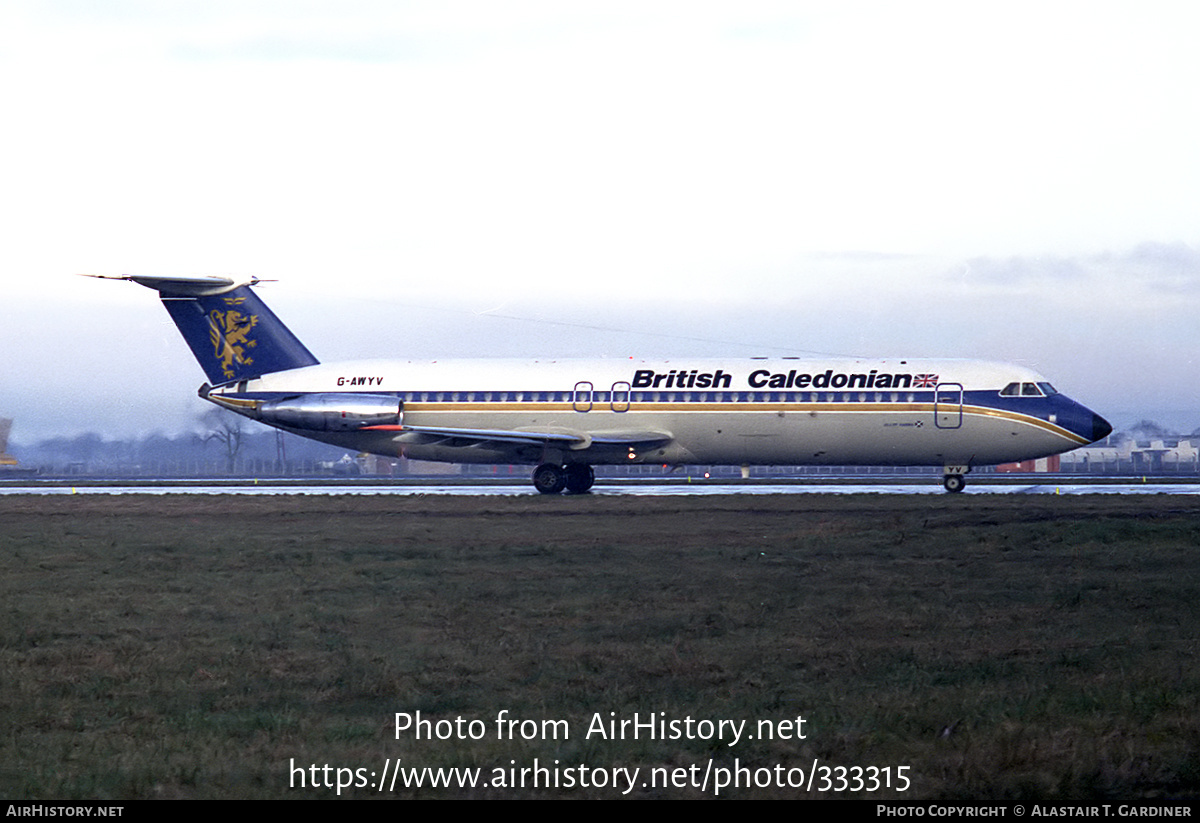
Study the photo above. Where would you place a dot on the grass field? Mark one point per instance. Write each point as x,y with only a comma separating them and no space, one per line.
999,647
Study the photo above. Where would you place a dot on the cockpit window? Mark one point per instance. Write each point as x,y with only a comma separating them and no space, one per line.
1027,390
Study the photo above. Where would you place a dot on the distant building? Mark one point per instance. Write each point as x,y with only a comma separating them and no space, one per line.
7,461
375,464
1159,455
1041,464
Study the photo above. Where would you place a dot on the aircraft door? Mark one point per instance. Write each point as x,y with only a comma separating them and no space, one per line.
619,399
947,405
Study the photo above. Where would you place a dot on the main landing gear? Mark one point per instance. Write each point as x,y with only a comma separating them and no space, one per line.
576,478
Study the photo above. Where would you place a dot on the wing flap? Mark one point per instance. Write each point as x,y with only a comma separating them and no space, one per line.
631,438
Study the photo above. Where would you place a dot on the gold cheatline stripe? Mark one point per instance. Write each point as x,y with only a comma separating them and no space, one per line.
856,407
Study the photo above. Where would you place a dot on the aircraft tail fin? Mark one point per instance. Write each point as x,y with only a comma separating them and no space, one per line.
231,332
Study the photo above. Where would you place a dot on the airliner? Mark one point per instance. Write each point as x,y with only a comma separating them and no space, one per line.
565,416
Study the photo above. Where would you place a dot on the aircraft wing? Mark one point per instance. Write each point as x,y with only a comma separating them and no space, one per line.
571,439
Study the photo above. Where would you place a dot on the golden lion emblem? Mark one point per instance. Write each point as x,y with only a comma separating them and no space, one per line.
230,335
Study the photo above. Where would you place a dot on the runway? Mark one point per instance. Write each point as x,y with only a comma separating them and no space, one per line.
608,489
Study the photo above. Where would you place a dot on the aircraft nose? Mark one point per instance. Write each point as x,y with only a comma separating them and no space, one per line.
1101,428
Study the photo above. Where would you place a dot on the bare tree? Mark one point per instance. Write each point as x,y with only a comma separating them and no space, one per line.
225,428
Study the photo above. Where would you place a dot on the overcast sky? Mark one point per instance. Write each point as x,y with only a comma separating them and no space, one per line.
432,179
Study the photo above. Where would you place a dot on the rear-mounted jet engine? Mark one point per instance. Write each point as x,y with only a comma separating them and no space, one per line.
332,412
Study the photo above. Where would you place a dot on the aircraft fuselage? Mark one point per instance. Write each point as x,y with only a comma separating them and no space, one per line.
771,411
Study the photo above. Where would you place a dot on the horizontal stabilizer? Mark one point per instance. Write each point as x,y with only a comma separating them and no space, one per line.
231,332
181,286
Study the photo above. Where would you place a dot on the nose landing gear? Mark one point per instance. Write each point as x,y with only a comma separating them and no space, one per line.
954,478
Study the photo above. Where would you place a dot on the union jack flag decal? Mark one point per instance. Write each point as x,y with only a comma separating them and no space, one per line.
925,381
